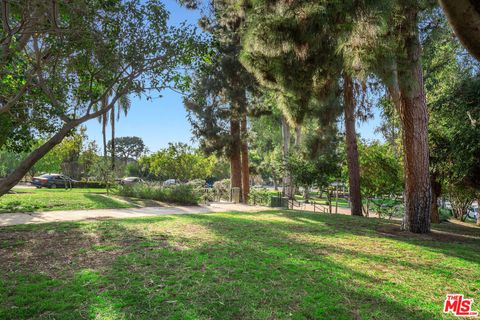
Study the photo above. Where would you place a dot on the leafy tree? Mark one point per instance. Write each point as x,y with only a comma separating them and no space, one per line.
384,41
452,89
461,198
454,135
88,157
266,141
319,172
221,169
218,99
9,161
179,161
381,172
128,148
103,50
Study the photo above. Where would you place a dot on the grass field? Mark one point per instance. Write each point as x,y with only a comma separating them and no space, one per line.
30,199
272,265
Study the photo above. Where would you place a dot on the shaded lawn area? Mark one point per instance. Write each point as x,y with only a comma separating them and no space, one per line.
29,200
271,265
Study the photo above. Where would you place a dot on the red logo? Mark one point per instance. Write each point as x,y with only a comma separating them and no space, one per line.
459,306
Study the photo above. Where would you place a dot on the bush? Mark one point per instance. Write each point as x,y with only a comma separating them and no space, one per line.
221,189
180,194
445,214
90,184
259,197
197,183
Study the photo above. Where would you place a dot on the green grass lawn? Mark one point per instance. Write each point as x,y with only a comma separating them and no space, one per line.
29,200
271,265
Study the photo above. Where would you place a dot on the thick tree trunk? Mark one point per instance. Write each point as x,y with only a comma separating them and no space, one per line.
245,161
352,149
287,186
298,136
235,155
13,178
436,192
414,118
464,16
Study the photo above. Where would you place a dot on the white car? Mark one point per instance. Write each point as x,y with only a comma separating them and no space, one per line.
473,213
170,182
130,180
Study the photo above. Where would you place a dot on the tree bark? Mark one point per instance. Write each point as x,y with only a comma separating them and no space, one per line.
112,123
478,218
235,155
352,149
245,161
298,136
464,17
13,178
414,119
104,135
287,187
436,192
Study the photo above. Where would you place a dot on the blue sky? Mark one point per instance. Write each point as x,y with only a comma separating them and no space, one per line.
163,120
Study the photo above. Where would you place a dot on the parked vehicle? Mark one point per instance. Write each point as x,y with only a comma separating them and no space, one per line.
130,180
473,212
53,180
170,182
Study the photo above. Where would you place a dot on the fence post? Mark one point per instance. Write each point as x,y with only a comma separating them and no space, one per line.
235,195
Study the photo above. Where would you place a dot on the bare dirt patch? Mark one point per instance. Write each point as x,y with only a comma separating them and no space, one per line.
455,233
54,252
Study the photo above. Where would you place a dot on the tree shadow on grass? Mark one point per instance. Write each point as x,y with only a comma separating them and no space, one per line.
459,241
104,202
250,270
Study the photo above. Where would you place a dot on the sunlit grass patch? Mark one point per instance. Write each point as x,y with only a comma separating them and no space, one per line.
30,200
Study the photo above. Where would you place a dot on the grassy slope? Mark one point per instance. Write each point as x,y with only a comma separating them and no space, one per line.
28,200
278,265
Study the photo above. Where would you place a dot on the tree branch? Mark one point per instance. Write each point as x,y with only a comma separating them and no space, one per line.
464,17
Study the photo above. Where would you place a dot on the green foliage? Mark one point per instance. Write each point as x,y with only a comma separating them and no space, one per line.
101,170
127,148
85,64
381,171
222,189
461,197
266,147
221,87
180,194
261,197
91,184
319,172
179,161
68,150
295,58
453,86
9,161
221,169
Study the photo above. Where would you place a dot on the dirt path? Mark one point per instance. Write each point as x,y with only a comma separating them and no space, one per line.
10,219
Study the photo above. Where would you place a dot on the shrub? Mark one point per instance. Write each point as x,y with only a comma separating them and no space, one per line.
259,197
197,183
222,189
180,194
445,214
90,184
